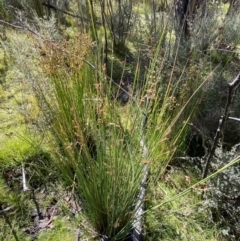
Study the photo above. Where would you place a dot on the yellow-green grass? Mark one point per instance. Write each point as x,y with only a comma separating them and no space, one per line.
183,219
18,105
2,61
15,139
61,229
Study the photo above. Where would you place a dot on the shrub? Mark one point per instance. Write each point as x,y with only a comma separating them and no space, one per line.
223,194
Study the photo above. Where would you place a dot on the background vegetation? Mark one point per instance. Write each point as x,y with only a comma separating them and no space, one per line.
119,120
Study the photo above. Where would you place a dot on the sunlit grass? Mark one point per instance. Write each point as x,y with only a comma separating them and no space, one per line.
61,230
168,215
94,142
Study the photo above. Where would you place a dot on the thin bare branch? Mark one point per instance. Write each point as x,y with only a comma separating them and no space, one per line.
234,118
6,210
232,87
12,24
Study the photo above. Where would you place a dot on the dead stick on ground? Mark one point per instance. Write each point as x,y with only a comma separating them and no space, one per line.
24,183
137,229
232,87
6,210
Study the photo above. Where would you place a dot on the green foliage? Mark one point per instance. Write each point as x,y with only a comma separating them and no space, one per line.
59,232
94,142
3,64
2,11
223,194
20,150
16,111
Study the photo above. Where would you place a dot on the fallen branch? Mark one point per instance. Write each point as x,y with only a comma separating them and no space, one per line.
232,87
137,229
12,24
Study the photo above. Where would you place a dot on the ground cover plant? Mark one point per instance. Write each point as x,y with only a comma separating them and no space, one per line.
104,108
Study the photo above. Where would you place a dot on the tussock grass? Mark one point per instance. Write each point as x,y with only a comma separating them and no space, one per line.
97,153
95,141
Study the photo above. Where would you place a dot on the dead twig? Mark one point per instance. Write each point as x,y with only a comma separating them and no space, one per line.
6,210
233,118
12,24
232,87
137,229
36,204
25,188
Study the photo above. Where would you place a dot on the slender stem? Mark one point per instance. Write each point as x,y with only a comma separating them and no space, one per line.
105,33
233,118
36,204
